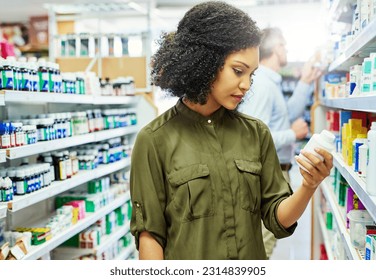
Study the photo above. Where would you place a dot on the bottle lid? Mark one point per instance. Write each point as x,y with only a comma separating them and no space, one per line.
3,173
328,136
11,172
20,173
373,126
328,139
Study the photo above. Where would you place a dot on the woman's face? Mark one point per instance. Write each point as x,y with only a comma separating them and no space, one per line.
234,79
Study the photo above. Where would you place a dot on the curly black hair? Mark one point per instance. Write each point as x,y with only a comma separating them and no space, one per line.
188,60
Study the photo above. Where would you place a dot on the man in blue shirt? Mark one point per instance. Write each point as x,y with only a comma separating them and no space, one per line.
265,101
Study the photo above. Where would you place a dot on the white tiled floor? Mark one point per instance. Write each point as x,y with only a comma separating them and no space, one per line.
297,246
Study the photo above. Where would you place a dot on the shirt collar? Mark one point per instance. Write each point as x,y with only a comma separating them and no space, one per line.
189,113
273,75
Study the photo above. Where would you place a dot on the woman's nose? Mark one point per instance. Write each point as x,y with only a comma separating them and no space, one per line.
245,85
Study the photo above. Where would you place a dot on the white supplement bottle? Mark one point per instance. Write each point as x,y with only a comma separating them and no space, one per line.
363,160
371,166
324,140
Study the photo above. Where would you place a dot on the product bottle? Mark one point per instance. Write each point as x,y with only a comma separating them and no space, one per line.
371,167
324,140
21,183
43,75
363,160
1,74
60,166
68,164
25,75
12,175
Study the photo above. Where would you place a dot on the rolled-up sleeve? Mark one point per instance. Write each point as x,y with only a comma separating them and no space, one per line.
147,190
275,187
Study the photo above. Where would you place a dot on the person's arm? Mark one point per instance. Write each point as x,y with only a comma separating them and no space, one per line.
297,102
290,209
147,193
149,248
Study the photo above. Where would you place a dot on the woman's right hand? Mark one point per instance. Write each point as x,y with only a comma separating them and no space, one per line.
316,172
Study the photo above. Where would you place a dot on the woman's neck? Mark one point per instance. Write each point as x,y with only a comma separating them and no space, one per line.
204,110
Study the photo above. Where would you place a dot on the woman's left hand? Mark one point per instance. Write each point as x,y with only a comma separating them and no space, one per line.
316,172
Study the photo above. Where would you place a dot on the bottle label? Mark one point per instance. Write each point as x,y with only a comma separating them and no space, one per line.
13,140
43,82
25,84
20,138
5,141
62,170
42,134
20,186
7,79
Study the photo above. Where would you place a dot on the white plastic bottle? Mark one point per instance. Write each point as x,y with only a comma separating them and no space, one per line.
363,160
371,167
324,140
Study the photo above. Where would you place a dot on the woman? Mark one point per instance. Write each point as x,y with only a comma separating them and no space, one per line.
204,176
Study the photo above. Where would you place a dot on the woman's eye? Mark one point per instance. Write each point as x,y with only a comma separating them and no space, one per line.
238,71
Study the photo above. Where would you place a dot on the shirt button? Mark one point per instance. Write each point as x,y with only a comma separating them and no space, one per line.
209,121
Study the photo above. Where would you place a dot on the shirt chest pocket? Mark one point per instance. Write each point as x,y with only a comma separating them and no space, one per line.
192,192
249,184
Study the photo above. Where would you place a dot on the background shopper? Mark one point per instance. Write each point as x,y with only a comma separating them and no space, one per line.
199,189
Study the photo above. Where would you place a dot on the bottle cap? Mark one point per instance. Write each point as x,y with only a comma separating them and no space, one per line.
328,136
373,126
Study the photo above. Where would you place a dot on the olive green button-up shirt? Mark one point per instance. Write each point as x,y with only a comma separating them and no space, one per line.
201,185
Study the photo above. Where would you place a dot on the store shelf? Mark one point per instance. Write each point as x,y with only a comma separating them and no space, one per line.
357,184
70,253
126,252
117,132
3,210
121,100
42,249
12,96
360,47
325,234
3,157
57,187
47,146
339,218
356,103
340,10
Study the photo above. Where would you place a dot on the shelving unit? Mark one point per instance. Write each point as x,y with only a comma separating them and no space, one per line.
351,252
3,157
360,47
357,184
42,249
69,253
57,187
36,207
354,103
325,234
126,253
340,10
3,211
12,96
22,209
43,147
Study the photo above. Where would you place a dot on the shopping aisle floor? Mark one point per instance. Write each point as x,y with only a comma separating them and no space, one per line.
297,246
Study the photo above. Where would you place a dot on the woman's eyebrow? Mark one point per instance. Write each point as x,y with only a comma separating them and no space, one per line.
245,64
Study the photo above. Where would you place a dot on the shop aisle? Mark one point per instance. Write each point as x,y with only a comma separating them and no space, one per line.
297,246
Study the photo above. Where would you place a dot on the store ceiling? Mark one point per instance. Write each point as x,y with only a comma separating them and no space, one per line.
21,10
